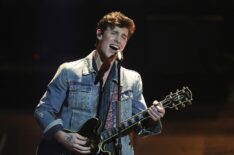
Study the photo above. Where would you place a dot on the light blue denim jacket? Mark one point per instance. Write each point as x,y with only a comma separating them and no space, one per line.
73,96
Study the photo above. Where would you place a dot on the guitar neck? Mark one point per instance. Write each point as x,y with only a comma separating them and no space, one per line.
125,125
172,101
129,123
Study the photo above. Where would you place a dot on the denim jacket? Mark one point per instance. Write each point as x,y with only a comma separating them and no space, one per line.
71,99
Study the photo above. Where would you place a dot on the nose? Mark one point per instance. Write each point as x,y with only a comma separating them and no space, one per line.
117,38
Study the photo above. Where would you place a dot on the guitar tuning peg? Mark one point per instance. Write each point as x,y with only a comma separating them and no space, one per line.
183,105
175,106
170,94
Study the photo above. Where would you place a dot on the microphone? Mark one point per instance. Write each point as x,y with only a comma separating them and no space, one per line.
119,55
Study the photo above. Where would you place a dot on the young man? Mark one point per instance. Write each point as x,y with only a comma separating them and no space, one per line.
87,88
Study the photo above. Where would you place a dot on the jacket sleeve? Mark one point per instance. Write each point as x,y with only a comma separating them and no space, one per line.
144,128
50,104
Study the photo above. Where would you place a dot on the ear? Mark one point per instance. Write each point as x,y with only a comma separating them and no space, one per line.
99,34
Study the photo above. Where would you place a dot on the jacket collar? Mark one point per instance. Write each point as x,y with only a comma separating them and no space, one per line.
91,67
89,64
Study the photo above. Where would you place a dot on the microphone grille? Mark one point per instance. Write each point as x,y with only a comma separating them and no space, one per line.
119,55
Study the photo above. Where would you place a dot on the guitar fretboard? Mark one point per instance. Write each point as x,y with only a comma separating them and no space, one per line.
125,125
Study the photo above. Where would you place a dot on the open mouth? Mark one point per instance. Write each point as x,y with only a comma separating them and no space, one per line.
114,47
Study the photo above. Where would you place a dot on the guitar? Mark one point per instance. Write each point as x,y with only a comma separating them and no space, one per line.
98,140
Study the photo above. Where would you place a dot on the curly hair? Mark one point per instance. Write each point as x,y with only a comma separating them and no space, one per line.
113,19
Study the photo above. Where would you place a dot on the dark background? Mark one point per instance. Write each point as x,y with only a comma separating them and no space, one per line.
176,43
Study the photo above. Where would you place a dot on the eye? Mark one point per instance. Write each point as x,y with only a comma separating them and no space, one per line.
124,37
113,32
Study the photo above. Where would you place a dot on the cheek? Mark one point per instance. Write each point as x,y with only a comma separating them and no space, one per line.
124,44
106,41
105,45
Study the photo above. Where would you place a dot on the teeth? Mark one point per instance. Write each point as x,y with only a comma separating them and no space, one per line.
114,47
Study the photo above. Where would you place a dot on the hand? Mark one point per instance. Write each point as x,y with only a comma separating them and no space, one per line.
156,111
73,141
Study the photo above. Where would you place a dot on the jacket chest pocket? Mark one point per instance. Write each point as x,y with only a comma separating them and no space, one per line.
83,97
126,102
126,95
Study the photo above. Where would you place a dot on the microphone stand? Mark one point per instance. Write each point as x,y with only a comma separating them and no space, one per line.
118,112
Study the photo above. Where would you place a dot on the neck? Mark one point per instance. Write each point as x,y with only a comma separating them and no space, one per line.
103,66
101,58
98,60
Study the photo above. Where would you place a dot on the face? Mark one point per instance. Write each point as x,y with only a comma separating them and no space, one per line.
112,40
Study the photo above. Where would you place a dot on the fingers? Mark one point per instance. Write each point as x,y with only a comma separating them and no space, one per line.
81,139
153,115
80,144
156,111
81,149
156,102
76,142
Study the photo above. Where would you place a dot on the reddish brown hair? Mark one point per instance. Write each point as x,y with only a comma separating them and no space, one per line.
113,19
